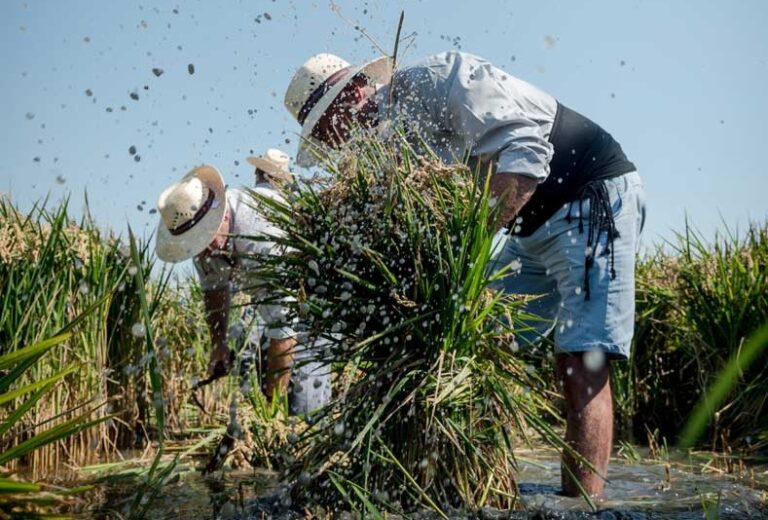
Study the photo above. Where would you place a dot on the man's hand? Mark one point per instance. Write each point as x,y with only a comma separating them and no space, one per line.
216,303
511,191
221,361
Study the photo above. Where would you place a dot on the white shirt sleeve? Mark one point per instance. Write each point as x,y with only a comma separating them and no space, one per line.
485,105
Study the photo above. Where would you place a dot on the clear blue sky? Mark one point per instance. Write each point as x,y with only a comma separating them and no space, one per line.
681,84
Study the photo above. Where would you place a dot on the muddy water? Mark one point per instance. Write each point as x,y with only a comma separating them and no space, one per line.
671,489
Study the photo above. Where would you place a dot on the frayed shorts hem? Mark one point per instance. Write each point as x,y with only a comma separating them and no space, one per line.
612,351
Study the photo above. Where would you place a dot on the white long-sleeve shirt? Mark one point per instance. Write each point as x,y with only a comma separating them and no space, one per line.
231,271
460,104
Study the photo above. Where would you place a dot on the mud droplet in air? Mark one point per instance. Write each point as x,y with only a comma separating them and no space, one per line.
191,68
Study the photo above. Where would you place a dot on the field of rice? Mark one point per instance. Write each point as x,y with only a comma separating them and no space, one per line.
100,346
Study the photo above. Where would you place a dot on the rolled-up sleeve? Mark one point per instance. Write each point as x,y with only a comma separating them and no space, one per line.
487,107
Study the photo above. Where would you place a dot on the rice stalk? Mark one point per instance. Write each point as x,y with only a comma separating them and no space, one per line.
697,304
389,262
58,274
17,497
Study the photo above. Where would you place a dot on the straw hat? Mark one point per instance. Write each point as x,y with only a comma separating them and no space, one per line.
191,212
274,163
309,95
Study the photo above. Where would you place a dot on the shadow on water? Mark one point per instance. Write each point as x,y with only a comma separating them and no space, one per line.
634,491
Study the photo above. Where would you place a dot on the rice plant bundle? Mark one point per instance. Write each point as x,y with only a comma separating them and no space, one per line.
389,264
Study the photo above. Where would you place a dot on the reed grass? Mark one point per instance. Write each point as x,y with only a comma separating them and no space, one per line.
129,346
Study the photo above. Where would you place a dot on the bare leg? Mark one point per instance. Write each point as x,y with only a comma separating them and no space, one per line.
589,422
279,363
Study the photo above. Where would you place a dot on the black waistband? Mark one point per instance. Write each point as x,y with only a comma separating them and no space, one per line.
583,152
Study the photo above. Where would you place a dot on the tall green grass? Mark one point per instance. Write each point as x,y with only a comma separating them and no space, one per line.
53,269
697,304
723,385
389,263
18,497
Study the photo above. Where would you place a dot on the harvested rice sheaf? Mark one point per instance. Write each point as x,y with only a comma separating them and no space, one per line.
389,265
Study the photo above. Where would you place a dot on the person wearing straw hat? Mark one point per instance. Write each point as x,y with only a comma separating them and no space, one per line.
202,220
571,201
272,168
327,94
272,171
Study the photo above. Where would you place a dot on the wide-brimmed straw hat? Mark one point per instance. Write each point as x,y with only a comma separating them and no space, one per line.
309,93
274,163
191,212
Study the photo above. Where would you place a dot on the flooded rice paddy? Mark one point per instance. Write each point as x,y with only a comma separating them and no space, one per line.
676,488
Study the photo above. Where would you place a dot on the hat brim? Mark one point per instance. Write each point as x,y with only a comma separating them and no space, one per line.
177,248
378,70
270,168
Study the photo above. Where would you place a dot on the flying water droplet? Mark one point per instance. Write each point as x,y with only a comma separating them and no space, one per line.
138,330
594,360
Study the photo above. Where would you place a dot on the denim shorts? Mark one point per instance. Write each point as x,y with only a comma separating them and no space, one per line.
550,264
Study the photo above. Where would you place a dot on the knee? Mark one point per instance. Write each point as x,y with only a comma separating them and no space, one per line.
582,384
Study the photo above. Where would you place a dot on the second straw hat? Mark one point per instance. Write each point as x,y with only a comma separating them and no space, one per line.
274,163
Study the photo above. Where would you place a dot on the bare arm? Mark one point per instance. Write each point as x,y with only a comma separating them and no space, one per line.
512,191
279,363
216,302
